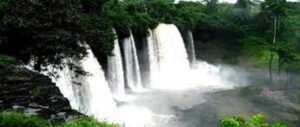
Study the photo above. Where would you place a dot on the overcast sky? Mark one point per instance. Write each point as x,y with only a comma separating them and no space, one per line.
232,1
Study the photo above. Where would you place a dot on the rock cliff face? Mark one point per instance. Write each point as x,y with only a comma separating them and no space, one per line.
34,94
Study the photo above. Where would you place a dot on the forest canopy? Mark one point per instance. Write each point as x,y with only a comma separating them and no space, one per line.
52,30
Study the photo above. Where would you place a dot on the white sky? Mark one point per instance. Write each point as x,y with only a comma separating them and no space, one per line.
231,1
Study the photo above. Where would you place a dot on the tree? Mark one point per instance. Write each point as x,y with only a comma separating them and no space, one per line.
46,30
51,31
276,9
211,6
190,14
141,20
156,7
242,11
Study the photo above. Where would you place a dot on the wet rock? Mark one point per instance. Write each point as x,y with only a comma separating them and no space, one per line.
1,103
34,94
16,107
32,111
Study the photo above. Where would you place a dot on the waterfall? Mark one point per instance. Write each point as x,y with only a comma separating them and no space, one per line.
64,81
171,56
115,71
89,94
95,88
153,56
169,68
190,46
132,69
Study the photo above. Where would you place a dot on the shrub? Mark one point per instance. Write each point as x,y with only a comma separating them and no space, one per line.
255,121
14,119
6,60
86,122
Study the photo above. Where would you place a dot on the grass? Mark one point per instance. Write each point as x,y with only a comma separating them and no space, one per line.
87,122
15,119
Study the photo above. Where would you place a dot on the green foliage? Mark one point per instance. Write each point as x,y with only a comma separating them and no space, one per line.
189,14
28,26
252,90
140,20
38,92
161,10
258,120
87,122
274,7
6,60
13,119
230,122
118,16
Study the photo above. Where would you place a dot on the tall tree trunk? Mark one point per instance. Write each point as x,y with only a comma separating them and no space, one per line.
280,65
288,77
272,55
270,68
275,30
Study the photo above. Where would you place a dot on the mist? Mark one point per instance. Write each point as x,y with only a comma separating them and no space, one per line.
166,106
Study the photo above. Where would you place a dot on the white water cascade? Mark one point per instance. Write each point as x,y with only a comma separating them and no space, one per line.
99,97
190,46
176,86
169,61
153,56
132,68
172,57
88,94
115,72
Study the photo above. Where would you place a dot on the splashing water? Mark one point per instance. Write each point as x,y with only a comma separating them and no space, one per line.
172,56
175,86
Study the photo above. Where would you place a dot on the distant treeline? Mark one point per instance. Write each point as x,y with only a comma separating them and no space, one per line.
50,30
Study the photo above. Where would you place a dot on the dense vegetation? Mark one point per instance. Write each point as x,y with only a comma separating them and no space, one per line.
14,119
57,27
265,35
255,121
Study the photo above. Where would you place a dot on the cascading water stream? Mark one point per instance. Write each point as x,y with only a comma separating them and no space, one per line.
89,94
172,55
190,47
153,56
115,72
169,61
132,68
99,96
170,72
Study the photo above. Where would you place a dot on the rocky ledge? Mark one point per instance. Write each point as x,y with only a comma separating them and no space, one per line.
34,94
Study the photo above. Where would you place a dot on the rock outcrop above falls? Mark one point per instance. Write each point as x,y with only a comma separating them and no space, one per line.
34,94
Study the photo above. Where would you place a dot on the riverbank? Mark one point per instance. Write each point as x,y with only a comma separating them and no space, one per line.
246,102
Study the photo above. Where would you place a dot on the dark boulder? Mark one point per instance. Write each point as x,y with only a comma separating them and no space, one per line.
34,94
